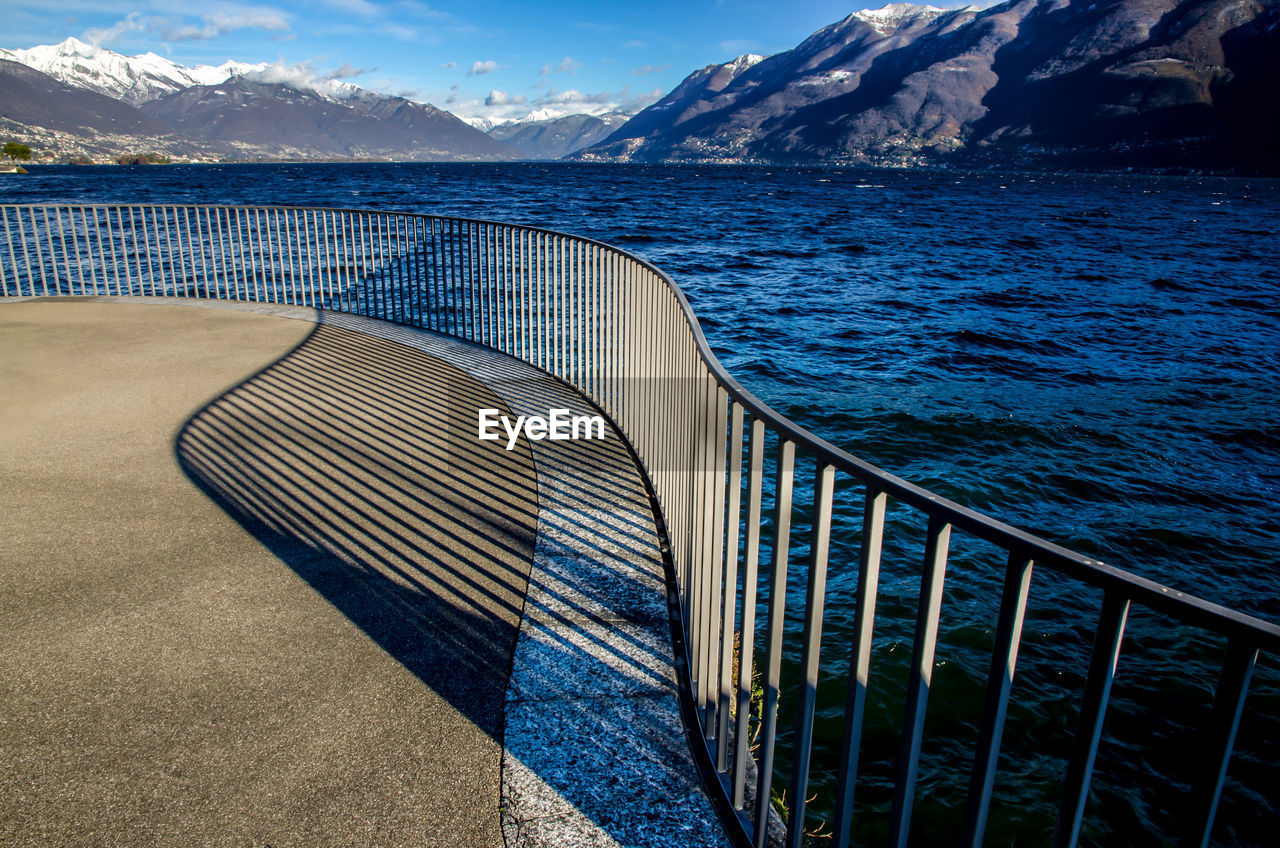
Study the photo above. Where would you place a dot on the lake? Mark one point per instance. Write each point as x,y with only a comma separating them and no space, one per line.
1095,358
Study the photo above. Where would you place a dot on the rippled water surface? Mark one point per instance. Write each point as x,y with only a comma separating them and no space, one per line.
1094,358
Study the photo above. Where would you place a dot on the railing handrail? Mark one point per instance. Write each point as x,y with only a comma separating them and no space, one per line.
1246,633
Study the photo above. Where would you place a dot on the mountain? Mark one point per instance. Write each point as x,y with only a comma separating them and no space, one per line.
28,96
692,97
1156,83
553,138
133,79
274,119
74,101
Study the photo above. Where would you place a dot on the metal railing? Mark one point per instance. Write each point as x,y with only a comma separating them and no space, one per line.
621,332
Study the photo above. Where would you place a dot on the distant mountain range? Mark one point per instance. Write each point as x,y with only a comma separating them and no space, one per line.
1056,83
85,101
555,138
1112,83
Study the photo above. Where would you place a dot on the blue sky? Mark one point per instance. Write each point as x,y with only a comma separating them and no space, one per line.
493,58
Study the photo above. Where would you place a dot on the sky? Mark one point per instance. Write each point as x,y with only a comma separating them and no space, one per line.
498,59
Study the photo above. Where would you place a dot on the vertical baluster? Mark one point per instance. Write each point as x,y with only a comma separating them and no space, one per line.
162,282
1004,658
819,547
566,309
689,400
53,260
1097,690
118,257
324,233
90,234
344,245
88,246
697,530
460,314
928,614
290,259
562,258
773,652
750,580
26,254
66,262
385,299
13,259
42,241
717,632
198,250
257,260
213,225
733,505
165,269
266,242
1228,706
209,250
233,254
284,257
189,260
434,298
473,266
420,278
151,232
307,252
482,282
266,280
75,245
506,295
226,254
860,661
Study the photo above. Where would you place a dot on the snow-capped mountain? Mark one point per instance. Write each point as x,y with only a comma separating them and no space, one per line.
75,101
133,79
896,15
1076,83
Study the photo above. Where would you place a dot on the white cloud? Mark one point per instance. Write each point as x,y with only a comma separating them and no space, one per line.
501,98
132,22
298,75
347,72
449,65
479,69
172,28
566,66
648,69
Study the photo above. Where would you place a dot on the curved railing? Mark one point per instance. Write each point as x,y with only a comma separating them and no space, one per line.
620,331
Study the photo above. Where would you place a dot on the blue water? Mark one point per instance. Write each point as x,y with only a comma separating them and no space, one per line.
1094,358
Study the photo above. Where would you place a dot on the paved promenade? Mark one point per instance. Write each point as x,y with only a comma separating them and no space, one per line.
260,584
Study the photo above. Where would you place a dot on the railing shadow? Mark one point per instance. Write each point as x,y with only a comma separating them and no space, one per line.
361,473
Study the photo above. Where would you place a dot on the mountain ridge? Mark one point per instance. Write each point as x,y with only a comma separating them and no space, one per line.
1115,83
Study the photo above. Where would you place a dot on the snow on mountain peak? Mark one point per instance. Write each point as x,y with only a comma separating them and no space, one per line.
134,79
743,62
888,18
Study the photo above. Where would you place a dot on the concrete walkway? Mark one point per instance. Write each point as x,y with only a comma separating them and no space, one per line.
293,611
